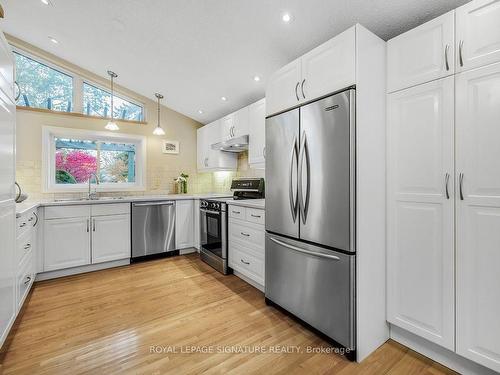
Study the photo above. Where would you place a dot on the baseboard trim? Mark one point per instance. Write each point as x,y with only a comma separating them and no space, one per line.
439,354
82,269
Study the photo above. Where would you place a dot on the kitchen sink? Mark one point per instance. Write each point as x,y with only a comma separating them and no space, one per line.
87,199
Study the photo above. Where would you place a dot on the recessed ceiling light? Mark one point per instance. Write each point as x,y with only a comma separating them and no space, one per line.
47,2
53,40
200,111
223,98
286,17
256,78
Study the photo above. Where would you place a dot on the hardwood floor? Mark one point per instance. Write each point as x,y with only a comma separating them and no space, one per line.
130,320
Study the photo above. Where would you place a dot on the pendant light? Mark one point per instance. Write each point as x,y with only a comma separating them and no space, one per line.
159,130
111,125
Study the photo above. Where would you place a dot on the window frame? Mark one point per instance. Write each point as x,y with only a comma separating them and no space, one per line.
52,66
77,94
117,95
49,133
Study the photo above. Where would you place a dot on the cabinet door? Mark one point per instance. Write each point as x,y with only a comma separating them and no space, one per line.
226,127
241,122
478,34
329,67
420,216
7,267
110,238
7,146
283,88
201,148
217,160
184,222
478,215
66,243
422,54
257,133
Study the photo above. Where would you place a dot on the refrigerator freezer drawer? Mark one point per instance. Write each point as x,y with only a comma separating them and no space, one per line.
315,284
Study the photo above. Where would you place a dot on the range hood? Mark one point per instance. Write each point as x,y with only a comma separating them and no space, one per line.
238,144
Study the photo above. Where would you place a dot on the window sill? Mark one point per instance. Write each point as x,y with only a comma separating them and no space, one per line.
76,114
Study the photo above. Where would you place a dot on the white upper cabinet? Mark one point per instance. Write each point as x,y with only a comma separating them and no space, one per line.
422,54
478,214
257,132
325,69
235,124
110,238
184,224
420,212
329,67
478,34
209,160
282,90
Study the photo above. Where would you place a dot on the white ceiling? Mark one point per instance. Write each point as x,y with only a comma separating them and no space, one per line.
195,51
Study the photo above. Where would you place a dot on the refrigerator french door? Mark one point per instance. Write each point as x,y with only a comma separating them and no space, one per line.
310,243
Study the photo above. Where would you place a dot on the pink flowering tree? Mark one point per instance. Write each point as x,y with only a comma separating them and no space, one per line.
77,163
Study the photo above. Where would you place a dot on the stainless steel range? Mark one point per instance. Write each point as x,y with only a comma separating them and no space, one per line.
213,221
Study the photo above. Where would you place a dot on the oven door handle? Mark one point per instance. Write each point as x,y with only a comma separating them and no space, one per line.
209,211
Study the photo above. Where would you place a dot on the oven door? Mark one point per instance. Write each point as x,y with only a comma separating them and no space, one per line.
213,232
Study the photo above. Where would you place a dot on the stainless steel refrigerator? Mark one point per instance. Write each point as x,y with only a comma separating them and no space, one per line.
310,209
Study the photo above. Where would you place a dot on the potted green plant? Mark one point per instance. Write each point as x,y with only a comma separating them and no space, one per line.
182,183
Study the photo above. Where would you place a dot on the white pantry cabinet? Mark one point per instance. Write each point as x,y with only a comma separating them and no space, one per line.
478,214
327,68
257,134
209,160
420,212
66,243
184,223
478,34
422,54
110,238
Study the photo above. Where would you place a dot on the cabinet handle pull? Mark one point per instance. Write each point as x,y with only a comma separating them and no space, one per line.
242,261
447,65
460,52
296,92
237,212
446,180
302,87
88,224
18,91
264,152
23,224
245,234
27,246
28,279
31,218
461,182
36,216
93,225
255,215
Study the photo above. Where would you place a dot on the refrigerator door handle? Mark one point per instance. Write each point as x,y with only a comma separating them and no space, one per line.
293,200
304,251
304,203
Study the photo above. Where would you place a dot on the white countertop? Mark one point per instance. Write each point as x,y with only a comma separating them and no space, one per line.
21,208
252,203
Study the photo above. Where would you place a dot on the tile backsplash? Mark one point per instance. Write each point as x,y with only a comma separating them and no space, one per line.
159,180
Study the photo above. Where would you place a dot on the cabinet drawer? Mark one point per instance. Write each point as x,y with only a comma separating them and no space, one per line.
61,212
24,246
247,264
110,209
237,212
24,280
250,234
255,215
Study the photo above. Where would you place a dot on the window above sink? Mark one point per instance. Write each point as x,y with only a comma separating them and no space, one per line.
72,156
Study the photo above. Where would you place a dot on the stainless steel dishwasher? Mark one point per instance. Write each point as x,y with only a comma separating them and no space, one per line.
153,229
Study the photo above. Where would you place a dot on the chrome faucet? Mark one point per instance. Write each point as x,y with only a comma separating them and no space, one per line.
93,196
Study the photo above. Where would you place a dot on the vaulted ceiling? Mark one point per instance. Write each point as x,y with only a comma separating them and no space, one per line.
196,51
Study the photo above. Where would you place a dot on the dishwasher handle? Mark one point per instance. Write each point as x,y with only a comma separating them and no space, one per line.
171,203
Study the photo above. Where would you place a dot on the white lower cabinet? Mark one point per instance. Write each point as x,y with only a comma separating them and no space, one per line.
85,234
110,238
246,242
66,243
184,224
